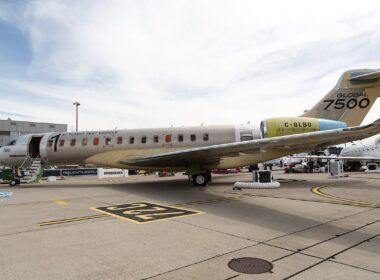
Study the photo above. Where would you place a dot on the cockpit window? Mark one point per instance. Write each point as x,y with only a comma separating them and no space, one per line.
12,143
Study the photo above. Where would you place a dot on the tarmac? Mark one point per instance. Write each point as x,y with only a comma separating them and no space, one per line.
146,227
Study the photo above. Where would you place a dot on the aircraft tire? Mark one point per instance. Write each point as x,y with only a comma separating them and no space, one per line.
200,179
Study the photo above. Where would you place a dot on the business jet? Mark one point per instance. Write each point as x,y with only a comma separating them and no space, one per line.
370,151
196,150
357,154
354,153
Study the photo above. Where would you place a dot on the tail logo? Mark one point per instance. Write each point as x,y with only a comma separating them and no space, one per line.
348,101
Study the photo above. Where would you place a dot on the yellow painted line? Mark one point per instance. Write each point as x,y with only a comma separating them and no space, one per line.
317,191
249,195
71,220
60,202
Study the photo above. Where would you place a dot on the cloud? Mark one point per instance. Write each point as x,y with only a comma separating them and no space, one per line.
156,63
5,114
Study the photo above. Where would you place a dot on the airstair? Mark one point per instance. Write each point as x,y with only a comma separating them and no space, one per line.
33,172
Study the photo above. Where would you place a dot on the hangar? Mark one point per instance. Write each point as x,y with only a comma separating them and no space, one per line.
11,129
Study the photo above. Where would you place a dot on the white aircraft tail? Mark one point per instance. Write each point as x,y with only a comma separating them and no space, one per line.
351,99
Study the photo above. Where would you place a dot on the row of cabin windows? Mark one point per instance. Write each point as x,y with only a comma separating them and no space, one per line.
119,140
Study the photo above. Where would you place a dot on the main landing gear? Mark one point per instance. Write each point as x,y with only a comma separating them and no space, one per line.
201,179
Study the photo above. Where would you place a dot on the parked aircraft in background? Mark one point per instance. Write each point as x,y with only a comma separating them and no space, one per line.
353,155
197,150
357,154
370,151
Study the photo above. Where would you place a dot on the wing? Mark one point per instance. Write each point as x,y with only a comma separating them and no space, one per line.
339,158
277,145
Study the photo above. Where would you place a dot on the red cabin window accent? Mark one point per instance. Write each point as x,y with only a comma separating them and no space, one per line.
96,141
168,138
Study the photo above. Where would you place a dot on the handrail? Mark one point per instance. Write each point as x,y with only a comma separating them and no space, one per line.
26,158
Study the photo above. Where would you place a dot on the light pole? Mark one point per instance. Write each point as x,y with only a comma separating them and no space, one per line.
77,104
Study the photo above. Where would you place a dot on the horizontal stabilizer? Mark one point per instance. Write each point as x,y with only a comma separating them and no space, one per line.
367,76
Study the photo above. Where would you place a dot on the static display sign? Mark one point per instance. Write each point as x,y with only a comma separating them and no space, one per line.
70,172
112,173
79,172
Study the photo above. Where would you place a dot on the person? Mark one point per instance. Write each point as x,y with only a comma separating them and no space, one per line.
270,166
310,166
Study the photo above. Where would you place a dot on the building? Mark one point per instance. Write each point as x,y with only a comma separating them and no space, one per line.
11,129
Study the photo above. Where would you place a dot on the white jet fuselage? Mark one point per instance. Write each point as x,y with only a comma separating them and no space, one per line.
108,148
367,150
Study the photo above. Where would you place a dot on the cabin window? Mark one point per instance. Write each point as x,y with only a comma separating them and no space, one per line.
119,140
168,138
84,142
131,140
61,143
50,143
72,142
180,137
143,139
155,139
193,137
95,141
205,136
108,141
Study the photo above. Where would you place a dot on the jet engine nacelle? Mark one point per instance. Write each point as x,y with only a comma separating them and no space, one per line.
274,127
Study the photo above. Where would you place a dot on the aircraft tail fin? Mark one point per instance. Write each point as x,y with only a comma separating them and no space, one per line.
351,98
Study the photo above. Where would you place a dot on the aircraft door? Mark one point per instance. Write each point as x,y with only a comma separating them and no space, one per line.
34,146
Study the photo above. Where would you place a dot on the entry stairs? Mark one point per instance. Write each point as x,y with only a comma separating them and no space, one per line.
33,173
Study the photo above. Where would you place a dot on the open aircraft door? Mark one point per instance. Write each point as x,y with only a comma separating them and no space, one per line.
34,146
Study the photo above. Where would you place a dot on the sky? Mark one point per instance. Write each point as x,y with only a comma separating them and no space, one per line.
135,64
